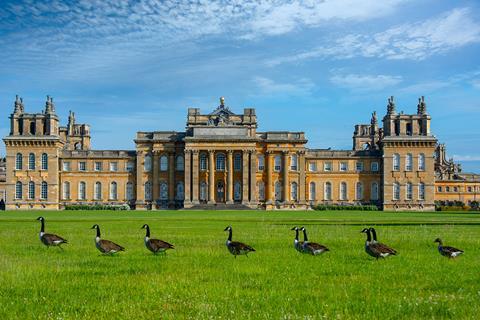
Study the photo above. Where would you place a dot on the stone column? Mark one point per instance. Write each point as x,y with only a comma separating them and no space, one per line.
171,178
195,181
285,177
269,187
230,177
302,182
245,177
253,177
140,194
188,177
155,186
211,176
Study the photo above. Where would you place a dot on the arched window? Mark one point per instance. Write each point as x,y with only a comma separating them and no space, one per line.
408,162
396,191
113,190
44,191
278,191
220,163
18,161
31,161
31,190
278,163
203,161
396,162
294,191
203,191
237,162
163,191
261,162
237,191
261,191
328,191
18,190
421,191
180,191
409,191
294,162
180,164
129,191
374,191
147,164
421,162
312,191
82,190
163,163
148,191
97,194
359,191
343,191
66,190
44,161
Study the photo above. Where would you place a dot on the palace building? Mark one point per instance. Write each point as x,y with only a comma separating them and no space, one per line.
220,160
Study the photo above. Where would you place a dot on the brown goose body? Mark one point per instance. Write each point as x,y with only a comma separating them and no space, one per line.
237,248
448,251
312,248
155,245
375,248
50,239
106,246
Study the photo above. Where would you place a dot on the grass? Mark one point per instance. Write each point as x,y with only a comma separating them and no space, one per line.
201,280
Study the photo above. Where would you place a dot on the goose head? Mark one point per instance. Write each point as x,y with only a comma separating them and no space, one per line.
229,228
145,226
95,226
302,229
438,240
40,219
295,229
365,230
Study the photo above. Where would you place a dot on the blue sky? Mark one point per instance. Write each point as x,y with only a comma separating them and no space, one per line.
316,66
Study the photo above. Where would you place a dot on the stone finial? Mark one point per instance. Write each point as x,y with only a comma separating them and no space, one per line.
391,106
422,106
374,120
18,108
49,106
222,101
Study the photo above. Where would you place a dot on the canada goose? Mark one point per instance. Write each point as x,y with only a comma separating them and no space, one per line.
49,239
446,251
155,245
298,245
384,248
236,248
106,246
312,247
373,249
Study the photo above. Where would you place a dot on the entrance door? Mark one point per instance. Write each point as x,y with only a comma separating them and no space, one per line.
220,191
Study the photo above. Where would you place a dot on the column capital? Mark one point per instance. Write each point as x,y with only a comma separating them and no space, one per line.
285,152
140,152
187,150
301,152
252,151
210,151
195,151
270,152
230,151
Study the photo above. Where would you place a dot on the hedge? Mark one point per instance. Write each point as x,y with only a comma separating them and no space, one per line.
325,207
114,207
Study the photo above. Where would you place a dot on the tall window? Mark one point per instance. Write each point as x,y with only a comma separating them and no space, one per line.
408,162
328,191
396,191
359,166
396,162
18,161
44,191
66,190
327,166
130,166
343,166
203,162
82,166
312,191
163,163
163,191
114,166
18,190
44,161
220,163
294,191
421,162
278,191
180,165
374,166
97,194
421,191
312,166
148,191
203,191
359,191
237,191
31,161
343,191
129,191
147,164
237,162
294,162
31,190
82,190
98,166
261,191
261,162
409,191
66,166
180,191
113,190
374,191
277,163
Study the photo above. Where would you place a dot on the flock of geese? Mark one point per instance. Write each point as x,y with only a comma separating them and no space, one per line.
372,246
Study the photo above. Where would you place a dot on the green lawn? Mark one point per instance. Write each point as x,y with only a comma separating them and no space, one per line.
200,279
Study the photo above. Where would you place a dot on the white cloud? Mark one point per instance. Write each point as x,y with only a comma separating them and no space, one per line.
365,82
466,157
414,41
269,86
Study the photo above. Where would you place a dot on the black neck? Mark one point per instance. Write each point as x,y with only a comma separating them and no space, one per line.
369,238
42,228
374,234
147,234
230,235
305,235
98,232
296,234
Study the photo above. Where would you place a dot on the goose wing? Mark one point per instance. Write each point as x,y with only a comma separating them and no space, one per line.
241,246
158,244
51,238
451,250
316,246
383,248
108,246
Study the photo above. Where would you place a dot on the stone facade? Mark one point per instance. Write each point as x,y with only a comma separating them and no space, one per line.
222,161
